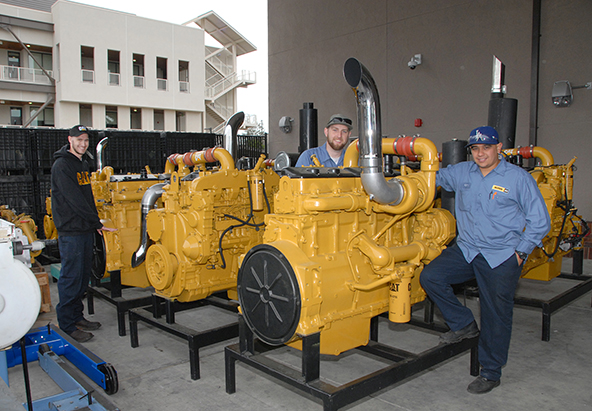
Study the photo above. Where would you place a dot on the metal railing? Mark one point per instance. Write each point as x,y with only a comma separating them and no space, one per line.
139,81
114,79
184,86
218,64
161,84
250,120
222,110
228,83
88,76
24,75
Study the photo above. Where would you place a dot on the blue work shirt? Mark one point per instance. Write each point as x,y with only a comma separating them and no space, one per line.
322,155
498,214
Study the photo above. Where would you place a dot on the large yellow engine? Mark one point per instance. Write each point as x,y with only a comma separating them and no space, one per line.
344,245
118,200
25,223
567,228
208,219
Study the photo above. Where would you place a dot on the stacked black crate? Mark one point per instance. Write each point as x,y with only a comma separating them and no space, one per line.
17,188
178,142
45,142
251,147
131,151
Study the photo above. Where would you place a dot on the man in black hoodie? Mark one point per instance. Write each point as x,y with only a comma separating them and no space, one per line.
76,219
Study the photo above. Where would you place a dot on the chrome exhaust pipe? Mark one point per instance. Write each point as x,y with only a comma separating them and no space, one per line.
100,146
370,136
148,200
230,132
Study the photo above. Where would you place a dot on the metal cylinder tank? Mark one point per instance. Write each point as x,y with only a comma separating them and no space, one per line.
309,127
453,152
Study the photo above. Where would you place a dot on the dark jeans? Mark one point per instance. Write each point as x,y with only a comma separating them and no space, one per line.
76,254
496,297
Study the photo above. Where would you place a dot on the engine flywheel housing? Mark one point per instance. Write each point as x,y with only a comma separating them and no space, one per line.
269,295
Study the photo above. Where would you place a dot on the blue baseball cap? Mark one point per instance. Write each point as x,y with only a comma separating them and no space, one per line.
483,135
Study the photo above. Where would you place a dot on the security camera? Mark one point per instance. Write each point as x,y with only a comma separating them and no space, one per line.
286,124
414,62
562,94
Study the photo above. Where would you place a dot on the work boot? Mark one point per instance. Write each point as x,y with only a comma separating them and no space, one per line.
481,385
452,337
86,325
81,336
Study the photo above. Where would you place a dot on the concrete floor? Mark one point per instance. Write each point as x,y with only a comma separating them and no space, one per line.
155,376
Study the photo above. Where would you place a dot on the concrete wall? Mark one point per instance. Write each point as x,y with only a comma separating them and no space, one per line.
450,91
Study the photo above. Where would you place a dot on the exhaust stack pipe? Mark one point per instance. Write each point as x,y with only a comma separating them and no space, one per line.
370,135
230,131
148,200
100,146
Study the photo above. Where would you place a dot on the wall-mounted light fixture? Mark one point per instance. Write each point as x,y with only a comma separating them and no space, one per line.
414,62
562,94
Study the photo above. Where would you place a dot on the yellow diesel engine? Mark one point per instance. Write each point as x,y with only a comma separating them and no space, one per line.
567,228
344,245
118,200
26,224
191,244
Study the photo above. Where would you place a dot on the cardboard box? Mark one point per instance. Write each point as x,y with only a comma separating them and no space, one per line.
43,280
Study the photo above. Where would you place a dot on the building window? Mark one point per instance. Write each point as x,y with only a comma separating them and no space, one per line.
14,62
87,64
135,118
44,59
45,118
180,121
159,120
161,73
183,76
111,117
85,113
113,67
16,116
138,70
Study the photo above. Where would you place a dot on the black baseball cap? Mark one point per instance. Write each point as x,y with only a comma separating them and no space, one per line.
78,130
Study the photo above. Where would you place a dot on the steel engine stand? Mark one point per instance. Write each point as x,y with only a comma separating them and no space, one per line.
308,379
152,315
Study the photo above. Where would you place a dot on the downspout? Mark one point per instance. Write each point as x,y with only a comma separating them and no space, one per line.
370,132
534,72
148,200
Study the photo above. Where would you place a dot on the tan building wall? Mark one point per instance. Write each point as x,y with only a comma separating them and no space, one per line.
450,91
105,30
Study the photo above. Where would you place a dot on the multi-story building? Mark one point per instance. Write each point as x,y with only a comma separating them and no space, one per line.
63,63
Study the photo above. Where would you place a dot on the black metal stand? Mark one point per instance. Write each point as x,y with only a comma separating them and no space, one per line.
152,315
404,364
550,306
114,296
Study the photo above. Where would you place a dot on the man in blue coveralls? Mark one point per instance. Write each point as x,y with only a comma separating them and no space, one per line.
501,218
331,153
